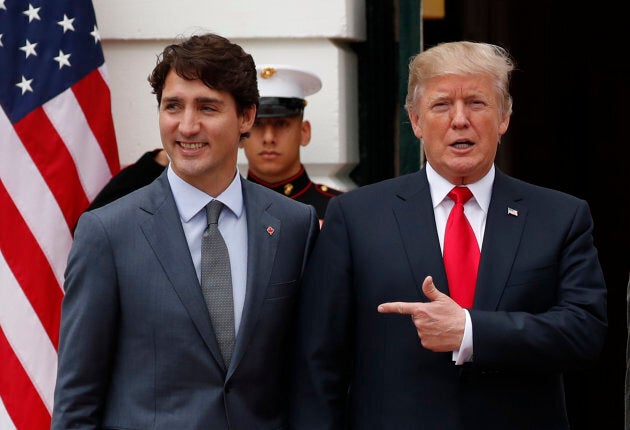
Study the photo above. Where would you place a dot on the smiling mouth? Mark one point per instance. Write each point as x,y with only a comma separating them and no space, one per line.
191,145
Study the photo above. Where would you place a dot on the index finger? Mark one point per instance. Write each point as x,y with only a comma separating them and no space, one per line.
404,308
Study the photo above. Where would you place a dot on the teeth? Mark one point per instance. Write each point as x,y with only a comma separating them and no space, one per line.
191,145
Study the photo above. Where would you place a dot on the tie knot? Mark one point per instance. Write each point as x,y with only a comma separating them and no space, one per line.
213,209
460,194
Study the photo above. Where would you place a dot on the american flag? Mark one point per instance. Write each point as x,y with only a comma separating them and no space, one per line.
57,150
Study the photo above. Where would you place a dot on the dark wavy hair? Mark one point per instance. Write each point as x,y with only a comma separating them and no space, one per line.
217,62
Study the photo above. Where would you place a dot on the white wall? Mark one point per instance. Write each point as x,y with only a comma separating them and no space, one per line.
310,34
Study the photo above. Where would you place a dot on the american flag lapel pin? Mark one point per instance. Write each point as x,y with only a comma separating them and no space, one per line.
270,230
512,212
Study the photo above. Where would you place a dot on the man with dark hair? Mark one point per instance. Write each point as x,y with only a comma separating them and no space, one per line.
272,148
143,342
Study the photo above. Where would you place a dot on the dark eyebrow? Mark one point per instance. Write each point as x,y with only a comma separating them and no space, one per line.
209,100
198,100
169,99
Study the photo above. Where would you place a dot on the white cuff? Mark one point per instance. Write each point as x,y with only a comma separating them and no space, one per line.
465,351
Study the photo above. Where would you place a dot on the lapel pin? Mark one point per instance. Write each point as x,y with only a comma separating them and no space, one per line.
270,230
512,212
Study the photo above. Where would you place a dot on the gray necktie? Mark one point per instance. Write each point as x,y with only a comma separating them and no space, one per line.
216,281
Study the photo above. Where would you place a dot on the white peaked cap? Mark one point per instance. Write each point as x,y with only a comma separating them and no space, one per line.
278,80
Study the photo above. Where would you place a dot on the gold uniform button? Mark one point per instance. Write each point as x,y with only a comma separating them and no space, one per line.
324,188
288,189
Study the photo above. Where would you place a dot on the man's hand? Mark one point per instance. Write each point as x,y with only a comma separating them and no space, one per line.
439,322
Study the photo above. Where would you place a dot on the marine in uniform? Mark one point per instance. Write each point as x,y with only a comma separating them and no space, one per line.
273,146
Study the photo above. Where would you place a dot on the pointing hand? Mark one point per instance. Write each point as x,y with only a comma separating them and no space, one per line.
439,322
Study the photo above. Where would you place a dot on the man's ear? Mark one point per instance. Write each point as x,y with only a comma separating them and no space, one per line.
414,119
306,133
503,126
247,119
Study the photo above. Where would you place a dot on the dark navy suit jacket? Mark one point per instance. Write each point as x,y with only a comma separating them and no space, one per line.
137,349
539,309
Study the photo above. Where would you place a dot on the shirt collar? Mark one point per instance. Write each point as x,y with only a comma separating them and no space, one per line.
440,187
190,200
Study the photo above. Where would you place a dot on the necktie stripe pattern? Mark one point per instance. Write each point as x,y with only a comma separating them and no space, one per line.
216,281
461,251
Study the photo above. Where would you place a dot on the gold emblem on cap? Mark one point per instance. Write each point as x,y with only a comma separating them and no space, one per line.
267,72
288,189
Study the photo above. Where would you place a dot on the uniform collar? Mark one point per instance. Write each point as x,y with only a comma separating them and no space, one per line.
290,187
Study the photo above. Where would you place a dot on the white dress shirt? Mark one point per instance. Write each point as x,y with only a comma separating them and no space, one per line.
191,203
476,211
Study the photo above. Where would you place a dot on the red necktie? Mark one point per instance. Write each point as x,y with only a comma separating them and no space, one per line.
461,251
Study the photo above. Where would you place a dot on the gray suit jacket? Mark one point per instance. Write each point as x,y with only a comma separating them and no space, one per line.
137,349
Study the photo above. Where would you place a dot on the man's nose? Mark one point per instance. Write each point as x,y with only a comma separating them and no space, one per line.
189,123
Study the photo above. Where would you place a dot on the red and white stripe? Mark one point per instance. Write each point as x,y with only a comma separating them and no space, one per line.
52,164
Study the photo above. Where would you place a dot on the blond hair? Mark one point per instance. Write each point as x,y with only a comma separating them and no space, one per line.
462,58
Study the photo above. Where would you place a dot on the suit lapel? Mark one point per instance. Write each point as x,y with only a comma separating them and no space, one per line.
413,211
504,228
164,232
263,234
